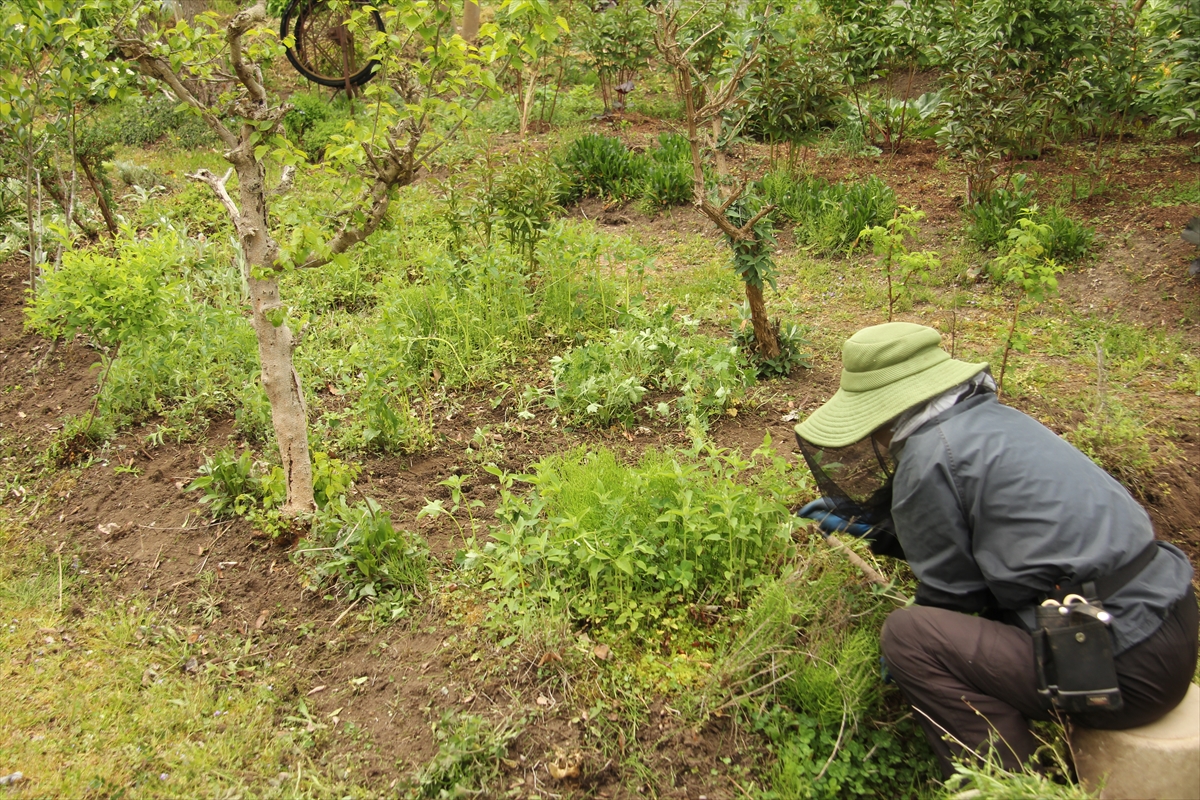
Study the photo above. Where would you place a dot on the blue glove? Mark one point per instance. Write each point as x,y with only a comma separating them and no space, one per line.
820,511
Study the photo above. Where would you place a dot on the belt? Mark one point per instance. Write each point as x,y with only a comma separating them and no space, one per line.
1106,586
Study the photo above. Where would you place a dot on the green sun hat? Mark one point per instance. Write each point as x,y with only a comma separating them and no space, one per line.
886,370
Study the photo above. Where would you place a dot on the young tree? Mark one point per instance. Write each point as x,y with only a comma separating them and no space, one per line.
747,240
427,73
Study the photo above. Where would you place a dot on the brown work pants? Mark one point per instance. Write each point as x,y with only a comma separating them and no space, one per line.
974,679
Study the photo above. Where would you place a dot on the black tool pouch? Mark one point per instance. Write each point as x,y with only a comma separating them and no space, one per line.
1074,655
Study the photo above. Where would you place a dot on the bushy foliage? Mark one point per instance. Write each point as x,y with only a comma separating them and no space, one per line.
669,177
622,546
603,382
140,122
991,218
172,304
1173,90
240,486
470,750
793,347
794,87
619,39
313,120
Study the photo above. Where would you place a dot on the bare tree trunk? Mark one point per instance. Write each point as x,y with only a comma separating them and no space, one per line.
275,341
110,222
722,168
470,21
189,9
764,334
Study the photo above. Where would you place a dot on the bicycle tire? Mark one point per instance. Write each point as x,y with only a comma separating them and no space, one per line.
311,56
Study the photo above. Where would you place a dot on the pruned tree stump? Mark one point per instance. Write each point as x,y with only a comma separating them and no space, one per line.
1159,761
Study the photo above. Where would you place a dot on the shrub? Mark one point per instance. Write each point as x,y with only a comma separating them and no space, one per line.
356,549
1069,241
313,120
141,122
621,546
1117,440
470,751
669,177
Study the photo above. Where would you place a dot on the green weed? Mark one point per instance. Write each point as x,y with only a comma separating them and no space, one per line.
602,166
355,550
624,546
603,382
828,217
469,756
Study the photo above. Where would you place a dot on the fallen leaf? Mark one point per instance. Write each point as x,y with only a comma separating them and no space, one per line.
547,657
263,616
315,689
543,701
602,652
108,529
564,765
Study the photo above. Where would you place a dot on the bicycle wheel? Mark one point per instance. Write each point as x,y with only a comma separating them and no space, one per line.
330,48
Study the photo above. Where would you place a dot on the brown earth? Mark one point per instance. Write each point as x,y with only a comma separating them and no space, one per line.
138,533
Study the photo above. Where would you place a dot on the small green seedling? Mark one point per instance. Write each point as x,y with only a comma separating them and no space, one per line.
890,241
1028,273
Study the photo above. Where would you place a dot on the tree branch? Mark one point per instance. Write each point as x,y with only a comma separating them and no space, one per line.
139,52
218,186
247,73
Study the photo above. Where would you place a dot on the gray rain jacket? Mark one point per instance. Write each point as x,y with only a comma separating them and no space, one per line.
993,509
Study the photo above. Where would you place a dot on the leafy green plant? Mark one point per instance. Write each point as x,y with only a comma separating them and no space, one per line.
1069,240
526,200
240,486
356,549
1117,440
313,120
602,166
602,382
619,40
793,347
623,546
1173,90
145,121
470,750
828,217
991,217
1029,273
890,243
668,180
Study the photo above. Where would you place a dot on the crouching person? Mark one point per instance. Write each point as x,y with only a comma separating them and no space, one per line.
1042,589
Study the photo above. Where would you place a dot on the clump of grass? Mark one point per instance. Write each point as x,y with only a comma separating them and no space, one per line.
602,166
828,216
803,667
1116,438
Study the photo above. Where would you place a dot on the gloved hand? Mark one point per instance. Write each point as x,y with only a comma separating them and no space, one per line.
821,512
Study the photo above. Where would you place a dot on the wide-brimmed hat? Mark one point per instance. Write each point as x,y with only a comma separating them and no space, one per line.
886,370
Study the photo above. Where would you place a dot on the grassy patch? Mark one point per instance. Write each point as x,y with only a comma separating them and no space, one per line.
109,697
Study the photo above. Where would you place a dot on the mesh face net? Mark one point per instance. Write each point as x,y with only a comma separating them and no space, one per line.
857,479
